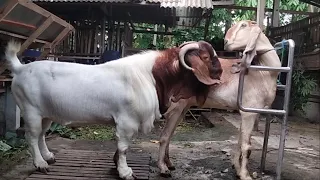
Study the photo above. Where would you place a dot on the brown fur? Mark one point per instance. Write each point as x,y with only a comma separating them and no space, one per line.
173,80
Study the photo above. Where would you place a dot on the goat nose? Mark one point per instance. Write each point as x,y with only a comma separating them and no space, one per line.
225,42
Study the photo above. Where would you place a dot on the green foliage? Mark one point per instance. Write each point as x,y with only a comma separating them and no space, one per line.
95,132
11,146
302,86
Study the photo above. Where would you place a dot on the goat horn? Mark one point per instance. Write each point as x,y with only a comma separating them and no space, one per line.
183,52
185,43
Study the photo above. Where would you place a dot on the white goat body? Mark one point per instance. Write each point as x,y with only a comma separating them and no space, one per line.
124,92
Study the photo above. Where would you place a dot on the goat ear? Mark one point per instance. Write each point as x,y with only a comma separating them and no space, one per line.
201,71
254,34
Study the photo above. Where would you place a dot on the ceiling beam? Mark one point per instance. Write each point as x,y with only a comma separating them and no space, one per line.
266,9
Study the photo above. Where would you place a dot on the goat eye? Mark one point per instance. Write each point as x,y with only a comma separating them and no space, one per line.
243,25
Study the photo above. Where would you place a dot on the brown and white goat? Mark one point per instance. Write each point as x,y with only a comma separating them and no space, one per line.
259,92
130,92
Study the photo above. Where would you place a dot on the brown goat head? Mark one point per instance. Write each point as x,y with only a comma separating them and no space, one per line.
184,72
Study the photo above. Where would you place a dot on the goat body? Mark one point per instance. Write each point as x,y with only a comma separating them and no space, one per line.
124,92
259,92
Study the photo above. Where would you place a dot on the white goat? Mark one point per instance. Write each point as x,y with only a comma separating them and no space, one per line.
130,92
259,92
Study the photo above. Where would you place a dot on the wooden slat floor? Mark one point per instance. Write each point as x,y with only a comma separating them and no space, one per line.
87,165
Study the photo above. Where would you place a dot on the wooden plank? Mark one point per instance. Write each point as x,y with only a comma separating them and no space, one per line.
94,174
70,168
8,9
21,36
35,34
16,23
91,165
39,10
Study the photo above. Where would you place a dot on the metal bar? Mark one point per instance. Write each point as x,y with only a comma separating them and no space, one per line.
267,68
281,87
286,108
254,110
265,143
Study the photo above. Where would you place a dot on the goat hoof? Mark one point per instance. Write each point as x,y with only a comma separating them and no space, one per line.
134,176
51,161
172,168
43,170
166,174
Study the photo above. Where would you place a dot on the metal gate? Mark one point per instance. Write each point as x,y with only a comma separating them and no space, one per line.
284,112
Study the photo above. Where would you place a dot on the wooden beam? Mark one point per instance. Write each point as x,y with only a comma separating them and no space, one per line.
266,9
153,32
32,6
35,34
18,24
22,37
275,13
8,9
260,12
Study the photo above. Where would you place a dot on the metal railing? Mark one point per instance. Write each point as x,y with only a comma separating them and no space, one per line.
284,111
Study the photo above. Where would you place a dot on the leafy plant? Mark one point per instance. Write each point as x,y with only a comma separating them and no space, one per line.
302,87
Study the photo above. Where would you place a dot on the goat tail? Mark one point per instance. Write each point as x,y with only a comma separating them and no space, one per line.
12,49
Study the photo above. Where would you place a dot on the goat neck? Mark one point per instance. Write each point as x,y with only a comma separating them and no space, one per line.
173,82
266,53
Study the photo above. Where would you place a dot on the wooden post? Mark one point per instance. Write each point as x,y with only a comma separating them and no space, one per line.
260,12
12,111
118,37
103,34
35,34
275,13
206,28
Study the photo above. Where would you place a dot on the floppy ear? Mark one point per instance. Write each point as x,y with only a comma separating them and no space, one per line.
201,70
254,34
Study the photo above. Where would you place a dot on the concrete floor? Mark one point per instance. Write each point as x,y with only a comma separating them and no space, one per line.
204,153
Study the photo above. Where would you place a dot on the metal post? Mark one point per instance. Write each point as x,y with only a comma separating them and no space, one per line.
265,143
286,108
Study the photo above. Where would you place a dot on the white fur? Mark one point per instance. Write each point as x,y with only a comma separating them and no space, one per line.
121,92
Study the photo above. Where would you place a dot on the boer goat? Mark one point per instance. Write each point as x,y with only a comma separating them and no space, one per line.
259,92
131,93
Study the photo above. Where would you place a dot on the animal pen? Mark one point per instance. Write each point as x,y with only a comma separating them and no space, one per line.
95,32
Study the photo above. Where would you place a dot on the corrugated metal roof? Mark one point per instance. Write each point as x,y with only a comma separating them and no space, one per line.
163,3
120,1
184,3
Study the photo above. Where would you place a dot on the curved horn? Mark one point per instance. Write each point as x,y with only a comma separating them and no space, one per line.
185,43
183,52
